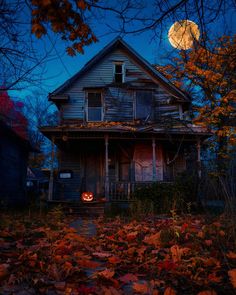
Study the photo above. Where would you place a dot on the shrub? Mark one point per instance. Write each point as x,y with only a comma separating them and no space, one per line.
167,196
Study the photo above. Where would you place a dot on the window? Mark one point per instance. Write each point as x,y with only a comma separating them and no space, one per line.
94,106
119,72
144,104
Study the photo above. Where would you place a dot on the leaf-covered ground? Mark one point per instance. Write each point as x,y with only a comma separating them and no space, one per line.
180,255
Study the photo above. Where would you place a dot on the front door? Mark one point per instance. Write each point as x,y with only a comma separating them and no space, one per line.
93,171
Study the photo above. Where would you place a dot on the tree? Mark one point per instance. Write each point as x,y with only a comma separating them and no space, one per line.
39,112
210,75
11,114
79,23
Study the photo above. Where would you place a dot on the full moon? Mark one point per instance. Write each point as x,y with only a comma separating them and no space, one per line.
182,34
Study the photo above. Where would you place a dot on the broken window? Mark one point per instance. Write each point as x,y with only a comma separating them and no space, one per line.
144,104
94,110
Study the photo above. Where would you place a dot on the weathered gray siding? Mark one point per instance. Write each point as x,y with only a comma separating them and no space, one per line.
119,103
69,188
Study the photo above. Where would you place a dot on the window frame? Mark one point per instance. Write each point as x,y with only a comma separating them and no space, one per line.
87,107
120,63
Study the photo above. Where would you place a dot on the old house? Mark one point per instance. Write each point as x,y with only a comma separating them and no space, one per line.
122,125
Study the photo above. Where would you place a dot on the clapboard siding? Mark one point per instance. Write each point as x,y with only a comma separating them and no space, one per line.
118,105
69,188
118,102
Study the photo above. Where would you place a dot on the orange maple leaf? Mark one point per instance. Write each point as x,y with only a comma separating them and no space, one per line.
141,288
232,276
169,291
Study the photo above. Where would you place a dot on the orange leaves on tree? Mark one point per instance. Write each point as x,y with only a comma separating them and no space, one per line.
65,19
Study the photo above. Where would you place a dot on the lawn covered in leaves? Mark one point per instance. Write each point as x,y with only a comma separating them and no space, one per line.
178,255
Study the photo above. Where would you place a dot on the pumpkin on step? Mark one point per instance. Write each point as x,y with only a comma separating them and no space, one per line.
87,196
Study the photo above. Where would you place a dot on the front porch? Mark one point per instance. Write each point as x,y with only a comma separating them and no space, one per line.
113,166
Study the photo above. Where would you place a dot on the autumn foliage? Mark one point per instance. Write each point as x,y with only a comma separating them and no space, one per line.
11,114
211,77
66,18
180,255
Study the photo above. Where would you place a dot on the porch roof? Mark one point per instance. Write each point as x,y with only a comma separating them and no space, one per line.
180,128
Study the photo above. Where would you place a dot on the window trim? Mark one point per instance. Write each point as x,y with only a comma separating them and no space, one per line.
87,107
123,71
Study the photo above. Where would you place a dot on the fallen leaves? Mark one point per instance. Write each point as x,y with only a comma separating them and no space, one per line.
145,257
232,276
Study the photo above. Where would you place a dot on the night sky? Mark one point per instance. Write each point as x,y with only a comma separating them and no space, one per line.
61,66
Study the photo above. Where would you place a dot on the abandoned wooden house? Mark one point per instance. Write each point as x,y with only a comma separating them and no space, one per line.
122,125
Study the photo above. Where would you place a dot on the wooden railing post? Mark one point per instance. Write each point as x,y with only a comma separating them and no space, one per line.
50,187
154,167
106,170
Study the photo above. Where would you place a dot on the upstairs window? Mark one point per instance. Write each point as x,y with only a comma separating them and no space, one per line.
119,76
144,105
94,106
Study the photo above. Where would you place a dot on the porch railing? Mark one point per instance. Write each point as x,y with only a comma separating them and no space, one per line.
123,191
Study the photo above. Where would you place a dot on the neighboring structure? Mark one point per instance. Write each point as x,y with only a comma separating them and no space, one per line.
14,151
122,125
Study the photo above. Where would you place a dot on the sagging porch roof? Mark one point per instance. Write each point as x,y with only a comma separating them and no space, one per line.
133,128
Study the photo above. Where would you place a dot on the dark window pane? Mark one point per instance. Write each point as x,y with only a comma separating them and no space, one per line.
118,78
94,99
118,68
143,104
95,114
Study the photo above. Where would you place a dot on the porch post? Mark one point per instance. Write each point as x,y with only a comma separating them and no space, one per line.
106,169
50,188
199,170
154,168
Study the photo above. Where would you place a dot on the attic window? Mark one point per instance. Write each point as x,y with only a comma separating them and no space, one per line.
94,106
119,76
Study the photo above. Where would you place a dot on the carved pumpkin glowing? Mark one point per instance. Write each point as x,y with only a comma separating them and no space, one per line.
87,196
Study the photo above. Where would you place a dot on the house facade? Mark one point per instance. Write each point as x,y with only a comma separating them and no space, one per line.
122,125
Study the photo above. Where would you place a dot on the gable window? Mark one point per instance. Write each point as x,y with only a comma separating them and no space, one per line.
94,106
119,76
144,105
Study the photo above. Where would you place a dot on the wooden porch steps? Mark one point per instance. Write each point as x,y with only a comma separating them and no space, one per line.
92,209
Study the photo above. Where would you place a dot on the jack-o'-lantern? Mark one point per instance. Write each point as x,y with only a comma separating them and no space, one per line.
87,196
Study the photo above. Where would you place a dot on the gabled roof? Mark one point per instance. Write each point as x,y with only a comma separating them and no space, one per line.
155,75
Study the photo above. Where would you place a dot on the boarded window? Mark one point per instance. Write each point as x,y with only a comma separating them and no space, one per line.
144,104
118,72
94,106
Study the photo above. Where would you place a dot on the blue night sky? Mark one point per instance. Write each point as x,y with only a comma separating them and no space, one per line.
61,66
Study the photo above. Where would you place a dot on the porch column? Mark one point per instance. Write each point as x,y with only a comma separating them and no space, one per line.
50,187
199,170
154,168
106,169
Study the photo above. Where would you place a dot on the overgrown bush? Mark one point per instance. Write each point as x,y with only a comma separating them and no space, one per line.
163,196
